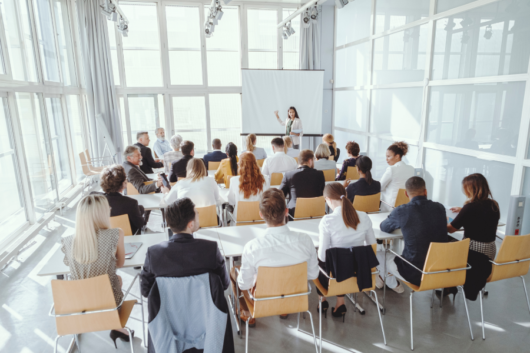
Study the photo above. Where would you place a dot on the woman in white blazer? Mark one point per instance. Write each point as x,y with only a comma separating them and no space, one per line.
293,123
395,175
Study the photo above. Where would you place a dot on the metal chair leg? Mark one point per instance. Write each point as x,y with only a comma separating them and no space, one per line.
526,293
411,326
380,319
467,313
442,298
481,294
298,325
56,343
130,339
246,336
142,308
313,328
77,343
432,298
320,322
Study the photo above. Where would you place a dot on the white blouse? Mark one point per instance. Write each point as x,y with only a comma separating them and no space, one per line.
296,125
203,192
394,179
335,234
235,195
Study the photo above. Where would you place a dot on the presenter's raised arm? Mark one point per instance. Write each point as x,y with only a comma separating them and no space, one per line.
278,118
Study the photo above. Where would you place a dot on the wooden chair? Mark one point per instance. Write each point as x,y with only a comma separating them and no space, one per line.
131,190
329,174
314,207
401,198
88,305
276,179
279,290
247,213
122,222
368,203
512,260
346,287
445,266
260,162
213,165
207,216
91,165
331,158
352,173
89,174
296,159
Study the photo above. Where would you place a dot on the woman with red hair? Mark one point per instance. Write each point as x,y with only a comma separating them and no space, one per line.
249,184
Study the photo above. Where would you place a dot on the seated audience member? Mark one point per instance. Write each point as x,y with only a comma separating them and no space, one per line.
179,167
258,152
288,147
185,256
279,162
278,246
422,222
113,182
396,174
344,228
161,146
228,165
353,150
95,249
197,186
174,155
334,151
148,162
135,175
365,185
249,184
303,182
322,155
216,155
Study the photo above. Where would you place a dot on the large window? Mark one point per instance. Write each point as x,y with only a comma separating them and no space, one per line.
46,35
262,38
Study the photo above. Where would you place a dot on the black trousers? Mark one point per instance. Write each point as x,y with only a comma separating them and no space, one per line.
324,281
296,147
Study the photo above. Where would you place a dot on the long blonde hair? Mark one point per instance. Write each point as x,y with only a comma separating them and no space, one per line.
251,140
196,170
287,143
93,214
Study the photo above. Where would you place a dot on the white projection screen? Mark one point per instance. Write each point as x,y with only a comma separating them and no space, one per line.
265,91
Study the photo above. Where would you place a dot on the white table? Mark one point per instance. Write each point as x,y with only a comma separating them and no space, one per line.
152,176
149,201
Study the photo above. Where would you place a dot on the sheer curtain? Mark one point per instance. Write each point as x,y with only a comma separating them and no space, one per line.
100,89
310,45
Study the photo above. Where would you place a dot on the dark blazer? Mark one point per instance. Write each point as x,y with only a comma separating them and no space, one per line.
148,162
178,168
215,156
334,153
357,261
350,162
362,188
422,222
125,205
302,182
137,177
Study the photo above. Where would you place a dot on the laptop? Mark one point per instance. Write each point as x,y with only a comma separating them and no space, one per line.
131,249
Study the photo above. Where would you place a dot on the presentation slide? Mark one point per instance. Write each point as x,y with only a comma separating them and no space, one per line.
265,91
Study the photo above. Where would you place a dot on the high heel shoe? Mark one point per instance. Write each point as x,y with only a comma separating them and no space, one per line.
341,311
447,292
325,306
114,335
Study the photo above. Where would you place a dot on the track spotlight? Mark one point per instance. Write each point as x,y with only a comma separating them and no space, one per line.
467,21
314,15
306,20
450,24
489,32
341,3
288,30
219,14
123,27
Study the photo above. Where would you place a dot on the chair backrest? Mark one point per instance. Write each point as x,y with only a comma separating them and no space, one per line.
310,207
331,158
260,162
84,165
122,222
401,198
352,173
84,295
369,203
513,248
278,281
276,178
349,285
89,159
173,183
442,257
248,211
207,216
227,180
329,174
213,165
131,190
296,159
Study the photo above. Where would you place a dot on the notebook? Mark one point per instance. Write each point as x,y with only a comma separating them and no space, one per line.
131,249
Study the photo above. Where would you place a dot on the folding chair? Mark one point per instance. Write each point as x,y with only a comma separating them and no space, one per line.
401,198
213,165
352,173
276,179
260,162
208,216
329,174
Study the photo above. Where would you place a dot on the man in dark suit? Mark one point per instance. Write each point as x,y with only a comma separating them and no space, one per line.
216,155
422,222
178,168
304,181
135,175
148,162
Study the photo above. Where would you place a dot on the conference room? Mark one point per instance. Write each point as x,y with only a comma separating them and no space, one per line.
264,175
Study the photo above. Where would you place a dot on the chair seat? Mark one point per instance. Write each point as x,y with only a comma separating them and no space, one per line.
125,311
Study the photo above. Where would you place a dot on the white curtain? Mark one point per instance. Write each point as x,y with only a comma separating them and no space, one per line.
100,89
310,45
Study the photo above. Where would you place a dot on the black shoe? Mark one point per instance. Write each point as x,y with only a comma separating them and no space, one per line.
325,306
114,335
447,291
341,311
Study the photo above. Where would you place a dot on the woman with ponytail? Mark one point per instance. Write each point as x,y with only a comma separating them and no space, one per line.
396,174
228,165
343,228
258,152
366,185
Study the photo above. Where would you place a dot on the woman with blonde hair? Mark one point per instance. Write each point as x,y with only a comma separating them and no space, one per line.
251,147
288,147
330,141
197,186
396,174
95,249
322,154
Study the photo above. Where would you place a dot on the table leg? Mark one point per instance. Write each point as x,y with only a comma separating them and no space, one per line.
355,303
164,224
142,308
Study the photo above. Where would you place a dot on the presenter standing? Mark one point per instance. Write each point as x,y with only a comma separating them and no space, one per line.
293,126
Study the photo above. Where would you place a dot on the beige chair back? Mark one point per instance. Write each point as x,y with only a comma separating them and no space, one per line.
89,159
296,159
310,207
331,158
329,174
352,173
513,248
441,257
85,165
248,211
131,190
122,222
276,178
260,162
213,165
87,295
369,203
401,198
278,281
207,216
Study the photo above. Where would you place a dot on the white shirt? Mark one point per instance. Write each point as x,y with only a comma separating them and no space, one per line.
394,179
277,247
325,164
292,152
169,158
335,234
278,163
204,192
296,125
258,152
235,195
161,147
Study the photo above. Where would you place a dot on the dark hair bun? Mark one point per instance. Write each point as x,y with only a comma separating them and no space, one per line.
399,147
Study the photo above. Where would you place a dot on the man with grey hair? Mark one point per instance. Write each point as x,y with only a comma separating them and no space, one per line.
133,159
147,156
161,146
173,155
